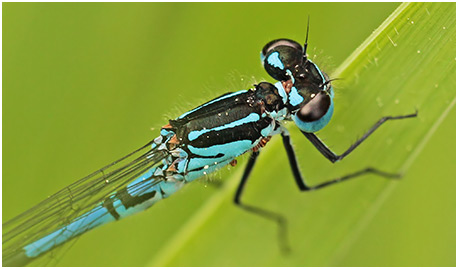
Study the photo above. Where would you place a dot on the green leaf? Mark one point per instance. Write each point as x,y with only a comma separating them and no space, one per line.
407,64
84,82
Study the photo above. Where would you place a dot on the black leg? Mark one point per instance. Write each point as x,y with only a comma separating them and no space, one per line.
332,156
304,187
279,219
245,176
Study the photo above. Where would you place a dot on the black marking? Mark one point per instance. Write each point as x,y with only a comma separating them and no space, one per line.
217,114
193,155
220,106
196,169
129,201
162,191
108,204
248,131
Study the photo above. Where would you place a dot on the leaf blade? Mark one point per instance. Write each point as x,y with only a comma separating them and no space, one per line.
361,71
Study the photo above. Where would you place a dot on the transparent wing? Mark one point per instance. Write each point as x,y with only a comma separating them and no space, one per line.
76,199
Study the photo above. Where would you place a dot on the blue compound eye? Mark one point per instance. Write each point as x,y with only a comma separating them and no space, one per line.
314,115
315,109
281,55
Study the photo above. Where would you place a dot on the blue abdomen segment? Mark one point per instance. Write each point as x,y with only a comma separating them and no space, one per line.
135,197
90,220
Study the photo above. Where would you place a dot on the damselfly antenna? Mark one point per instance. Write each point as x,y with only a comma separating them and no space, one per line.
329,81
306,37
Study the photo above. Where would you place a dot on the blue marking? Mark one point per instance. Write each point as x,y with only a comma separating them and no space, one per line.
253,117
91,219
317,125
123,212
170,188
165,132
178,177
133,189
192,175
230,150
181,165
279,115
213,101
141,188
268,130
195,163
294,97
274,60
290,74
282,92
183,154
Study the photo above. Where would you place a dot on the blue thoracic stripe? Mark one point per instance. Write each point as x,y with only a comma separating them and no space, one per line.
211,102
249,131
232,149
253,117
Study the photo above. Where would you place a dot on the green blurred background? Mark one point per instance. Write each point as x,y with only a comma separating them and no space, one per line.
83,84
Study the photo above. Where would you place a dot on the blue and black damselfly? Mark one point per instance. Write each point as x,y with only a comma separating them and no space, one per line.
197,143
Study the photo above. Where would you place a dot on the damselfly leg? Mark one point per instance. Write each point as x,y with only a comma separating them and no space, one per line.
329,154
304,187
278,218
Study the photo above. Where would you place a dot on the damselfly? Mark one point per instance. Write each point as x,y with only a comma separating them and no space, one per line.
196,143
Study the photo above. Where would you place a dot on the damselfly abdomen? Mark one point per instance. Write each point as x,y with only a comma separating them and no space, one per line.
188,147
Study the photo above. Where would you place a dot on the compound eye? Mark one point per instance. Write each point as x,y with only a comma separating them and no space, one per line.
314,74
281,55
315,109
281,42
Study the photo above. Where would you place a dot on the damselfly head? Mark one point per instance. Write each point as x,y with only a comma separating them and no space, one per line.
307,89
